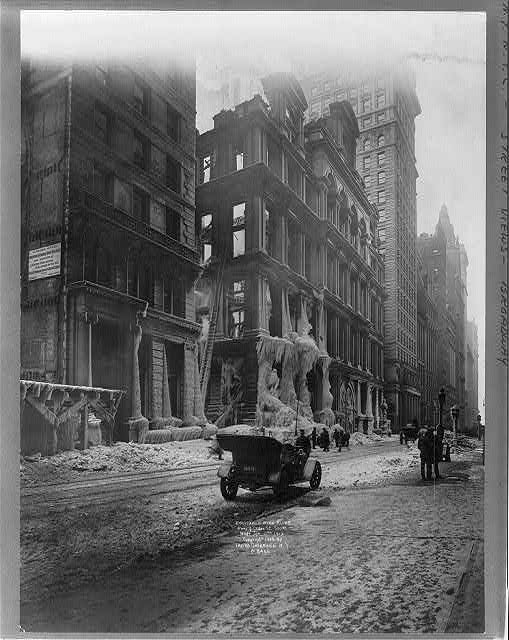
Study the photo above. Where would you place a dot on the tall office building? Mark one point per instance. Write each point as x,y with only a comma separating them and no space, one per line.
386,105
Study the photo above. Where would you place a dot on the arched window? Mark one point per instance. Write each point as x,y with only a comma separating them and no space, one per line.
381,140
367,145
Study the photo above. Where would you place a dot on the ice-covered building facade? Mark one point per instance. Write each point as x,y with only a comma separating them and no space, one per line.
291,300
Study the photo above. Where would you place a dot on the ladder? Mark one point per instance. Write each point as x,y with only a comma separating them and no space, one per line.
206,365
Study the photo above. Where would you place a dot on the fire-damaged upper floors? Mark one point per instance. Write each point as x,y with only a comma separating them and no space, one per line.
108,220
289,240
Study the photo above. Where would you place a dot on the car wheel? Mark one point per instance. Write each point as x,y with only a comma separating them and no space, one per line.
229,488
316,477
281,488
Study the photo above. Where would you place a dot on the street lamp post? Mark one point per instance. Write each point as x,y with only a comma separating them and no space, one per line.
455,413
383,407
478,426
441,401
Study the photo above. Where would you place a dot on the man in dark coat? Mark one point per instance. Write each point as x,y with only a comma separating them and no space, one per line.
437,451
337,438
440,439
313,437
324,439
426,448
303,443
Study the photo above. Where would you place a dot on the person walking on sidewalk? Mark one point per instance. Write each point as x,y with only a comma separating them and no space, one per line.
313,437
425,446
337,438
324,439
437,452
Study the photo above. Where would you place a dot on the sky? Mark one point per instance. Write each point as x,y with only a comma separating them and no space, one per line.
447,51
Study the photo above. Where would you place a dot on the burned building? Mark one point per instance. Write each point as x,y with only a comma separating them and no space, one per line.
109,253
290,246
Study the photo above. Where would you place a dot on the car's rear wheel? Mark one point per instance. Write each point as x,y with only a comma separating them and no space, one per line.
281,488
316,476
229,488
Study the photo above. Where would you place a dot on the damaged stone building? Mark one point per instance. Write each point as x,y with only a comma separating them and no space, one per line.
290,247
109,254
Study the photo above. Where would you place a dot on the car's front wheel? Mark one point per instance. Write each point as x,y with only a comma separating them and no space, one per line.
316,476
229,488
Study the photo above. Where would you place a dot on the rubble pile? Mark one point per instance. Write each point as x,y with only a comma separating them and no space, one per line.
358,438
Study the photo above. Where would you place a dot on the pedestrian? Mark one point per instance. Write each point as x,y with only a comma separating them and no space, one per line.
313,437
437,453
324,439
425,446
440,438
337,438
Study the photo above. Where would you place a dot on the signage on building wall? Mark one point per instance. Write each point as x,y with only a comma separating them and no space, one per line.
44,262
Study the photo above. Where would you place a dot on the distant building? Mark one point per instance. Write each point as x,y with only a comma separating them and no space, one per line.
428,345
290,243
445,263
108,229
456,286
386,104
472,377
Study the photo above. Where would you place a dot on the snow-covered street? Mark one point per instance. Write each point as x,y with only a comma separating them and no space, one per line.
386,554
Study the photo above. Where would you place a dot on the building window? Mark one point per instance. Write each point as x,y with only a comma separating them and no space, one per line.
366,146
239,229
206,237
366,103
102,124
239,160
366,163
367,181
381,177
158,108
236,308
102,183
314,91
141,97
173,174
174,297
141,205
158,215
140,151
380,117
380,100
381,140
268,221
172,224
366,121
381,197
173,123
122,195
205,169
101,76
158,163
381,158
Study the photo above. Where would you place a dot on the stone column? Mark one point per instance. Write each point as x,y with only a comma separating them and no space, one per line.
359,406
138,424
188,419
166,406
198,409
377,419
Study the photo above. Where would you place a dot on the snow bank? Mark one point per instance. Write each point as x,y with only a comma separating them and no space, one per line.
358,438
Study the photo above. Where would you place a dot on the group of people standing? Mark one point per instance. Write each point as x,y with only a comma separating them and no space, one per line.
341,438
430,443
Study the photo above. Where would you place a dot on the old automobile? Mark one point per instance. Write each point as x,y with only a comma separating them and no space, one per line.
262,461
